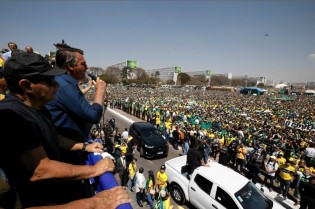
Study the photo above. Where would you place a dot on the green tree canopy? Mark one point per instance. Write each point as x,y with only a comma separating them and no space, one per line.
183,78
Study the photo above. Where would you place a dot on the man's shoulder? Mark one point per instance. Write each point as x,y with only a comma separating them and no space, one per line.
66,80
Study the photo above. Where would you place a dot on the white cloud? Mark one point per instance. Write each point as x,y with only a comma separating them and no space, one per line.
312,56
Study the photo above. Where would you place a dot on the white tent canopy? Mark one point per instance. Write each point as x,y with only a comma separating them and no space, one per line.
281,86
309,91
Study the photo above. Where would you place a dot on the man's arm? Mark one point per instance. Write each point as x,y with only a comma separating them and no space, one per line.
68,144
109,199
86,89
100,86
41,167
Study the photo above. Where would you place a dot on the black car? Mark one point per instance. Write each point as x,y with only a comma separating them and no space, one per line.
149,141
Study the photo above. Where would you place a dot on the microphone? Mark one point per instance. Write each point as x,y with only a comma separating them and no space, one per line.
93,77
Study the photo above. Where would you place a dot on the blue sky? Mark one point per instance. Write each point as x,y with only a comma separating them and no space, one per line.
271,38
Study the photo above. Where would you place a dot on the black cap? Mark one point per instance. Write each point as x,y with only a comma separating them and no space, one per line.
162,167
25,65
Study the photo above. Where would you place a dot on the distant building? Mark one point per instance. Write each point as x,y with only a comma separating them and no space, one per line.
296,85
196,73
168,73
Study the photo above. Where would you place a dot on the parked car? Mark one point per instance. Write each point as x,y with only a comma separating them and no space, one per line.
214,187
148,139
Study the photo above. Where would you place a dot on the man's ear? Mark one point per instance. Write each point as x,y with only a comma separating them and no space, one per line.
69,68
25,85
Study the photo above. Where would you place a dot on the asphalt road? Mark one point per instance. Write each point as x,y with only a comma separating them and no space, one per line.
124,120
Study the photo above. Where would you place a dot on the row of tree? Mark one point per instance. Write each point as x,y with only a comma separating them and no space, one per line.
127,75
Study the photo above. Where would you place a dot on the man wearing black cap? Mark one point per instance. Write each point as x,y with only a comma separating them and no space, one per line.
29,151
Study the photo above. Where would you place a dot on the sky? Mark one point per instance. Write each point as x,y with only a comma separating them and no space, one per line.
270,38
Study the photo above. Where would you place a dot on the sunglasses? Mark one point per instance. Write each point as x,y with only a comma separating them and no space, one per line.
50,80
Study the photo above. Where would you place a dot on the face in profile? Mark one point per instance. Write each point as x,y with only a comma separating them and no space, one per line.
79,70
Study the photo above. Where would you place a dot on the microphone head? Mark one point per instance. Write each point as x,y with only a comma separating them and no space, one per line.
93,77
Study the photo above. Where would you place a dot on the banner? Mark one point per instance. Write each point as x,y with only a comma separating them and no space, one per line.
302,127
178,69
132,64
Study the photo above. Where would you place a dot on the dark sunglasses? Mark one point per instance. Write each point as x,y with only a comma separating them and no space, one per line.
50,80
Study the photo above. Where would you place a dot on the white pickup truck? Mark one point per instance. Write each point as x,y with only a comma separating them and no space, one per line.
214,187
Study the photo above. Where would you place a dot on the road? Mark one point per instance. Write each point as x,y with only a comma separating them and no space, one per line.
124,120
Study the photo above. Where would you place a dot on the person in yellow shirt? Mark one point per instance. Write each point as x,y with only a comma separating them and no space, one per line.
1,62
132,168
240,157
312,169
157,120
281,160
286,174
161,179
123,148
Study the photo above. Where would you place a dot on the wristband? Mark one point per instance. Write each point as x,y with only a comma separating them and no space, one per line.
84,146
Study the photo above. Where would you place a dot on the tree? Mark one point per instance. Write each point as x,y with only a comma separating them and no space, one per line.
152,80
169,82
219,80
139,74
183,78
97,71
197,80
157,74
112,75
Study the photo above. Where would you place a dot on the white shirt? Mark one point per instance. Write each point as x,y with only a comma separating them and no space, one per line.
140,181
124,135
271,166
241,133
310,152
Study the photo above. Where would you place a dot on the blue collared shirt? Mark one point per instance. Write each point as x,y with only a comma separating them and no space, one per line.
70,111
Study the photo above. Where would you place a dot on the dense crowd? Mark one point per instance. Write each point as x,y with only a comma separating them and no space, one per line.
262,137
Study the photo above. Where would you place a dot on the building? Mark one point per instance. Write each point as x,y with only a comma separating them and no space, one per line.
168,73
196,73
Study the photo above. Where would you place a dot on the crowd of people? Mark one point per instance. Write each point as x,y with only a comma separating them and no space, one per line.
266,139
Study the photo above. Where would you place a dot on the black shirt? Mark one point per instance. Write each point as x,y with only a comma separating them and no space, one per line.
23,129
194,157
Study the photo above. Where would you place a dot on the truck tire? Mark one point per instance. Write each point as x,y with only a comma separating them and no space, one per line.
178,195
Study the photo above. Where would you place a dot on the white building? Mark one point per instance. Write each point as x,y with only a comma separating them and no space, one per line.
168,73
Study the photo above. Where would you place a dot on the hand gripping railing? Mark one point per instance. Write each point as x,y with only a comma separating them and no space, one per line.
105,181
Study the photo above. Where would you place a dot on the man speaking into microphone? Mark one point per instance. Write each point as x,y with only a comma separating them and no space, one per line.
71,112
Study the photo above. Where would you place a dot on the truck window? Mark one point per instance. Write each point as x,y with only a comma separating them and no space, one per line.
203,183
224,199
